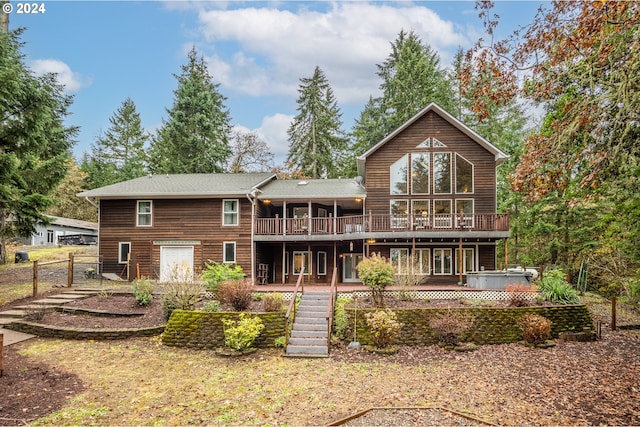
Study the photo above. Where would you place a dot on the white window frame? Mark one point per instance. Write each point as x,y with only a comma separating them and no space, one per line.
442,252
120,247
441,220
467,217
236,213
224,252
399,220
305,256
467,254
427,157
145,214
397,165
422,255
398,257
322,263
433,167
421,218
473,175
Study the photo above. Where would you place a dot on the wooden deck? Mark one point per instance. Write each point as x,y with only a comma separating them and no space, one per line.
351,287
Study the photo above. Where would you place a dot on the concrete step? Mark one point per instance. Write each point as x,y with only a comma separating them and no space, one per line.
307,351
308,341
53,301
310,320
315,314
310,326
309,334
14,314
68,296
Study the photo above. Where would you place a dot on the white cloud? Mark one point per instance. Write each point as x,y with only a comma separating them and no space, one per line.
272,49
273,130
70,80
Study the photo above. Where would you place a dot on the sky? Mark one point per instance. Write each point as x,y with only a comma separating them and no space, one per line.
107,51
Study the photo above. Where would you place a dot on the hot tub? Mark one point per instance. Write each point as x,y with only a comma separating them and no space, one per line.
498,280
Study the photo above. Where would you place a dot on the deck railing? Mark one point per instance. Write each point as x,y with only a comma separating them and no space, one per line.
381,223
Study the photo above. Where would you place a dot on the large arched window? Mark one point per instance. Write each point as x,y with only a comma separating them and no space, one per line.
464,175
398,175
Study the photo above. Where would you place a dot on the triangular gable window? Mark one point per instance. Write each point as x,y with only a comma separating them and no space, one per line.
438,144
424,144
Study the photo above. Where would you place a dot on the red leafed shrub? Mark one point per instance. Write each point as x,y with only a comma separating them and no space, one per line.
237,292
536,329
518,294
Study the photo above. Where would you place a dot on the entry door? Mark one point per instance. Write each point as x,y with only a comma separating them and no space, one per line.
176,263
349,267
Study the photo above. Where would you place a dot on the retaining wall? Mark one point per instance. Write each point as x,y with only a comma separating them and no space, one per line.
490,325
200,329
70,333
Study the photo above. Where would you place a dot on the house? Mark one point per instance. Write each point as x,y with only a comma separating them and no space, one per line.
426,192
54,233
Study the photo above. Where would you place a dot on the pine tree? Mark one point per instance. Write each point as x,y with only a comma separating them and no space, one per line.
65,202
195,138
411,79
119,154
316,142
34,142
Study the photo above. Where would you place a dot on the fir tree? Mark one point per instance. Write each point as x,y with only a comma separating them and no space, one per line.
119,154
195,138
316,142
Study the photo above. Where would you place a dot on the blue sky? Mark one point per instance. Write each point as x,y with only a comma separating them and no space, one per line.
106,51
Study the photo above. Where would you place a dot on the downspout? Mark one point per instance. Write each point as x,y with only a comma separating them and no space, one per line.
252,200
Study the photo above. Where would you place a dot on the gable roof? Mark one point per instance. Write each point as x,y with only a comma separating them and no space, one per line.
499,156
312,189
183,186
73,223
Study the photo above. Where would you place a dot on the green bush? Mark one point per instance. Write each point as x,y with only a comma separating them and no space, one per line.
341,327
241,334
536,329
272,302
377,273
237,293
554,288
383,327
143,291
212,306
215,273
279,342
180,296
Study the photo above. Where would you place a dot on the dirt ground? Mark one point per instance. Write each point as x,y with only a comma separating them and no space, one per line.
582,379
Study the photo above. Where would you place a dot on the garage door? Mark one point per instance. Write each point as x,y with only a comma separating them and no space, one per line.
176,263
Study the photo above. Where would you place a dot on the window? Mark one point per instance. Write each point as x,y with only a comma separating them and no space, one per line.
50,236
229,252
442,213
399,210
398,175
230,212
464,175
420,211
144,213
301,218
468,261
124,250
301,261
400,260
423,261
441,173
464,213
442,261
322,263
420,173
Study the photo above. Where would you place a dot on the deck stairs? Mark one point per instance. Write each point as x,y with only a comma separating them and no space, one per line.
309,335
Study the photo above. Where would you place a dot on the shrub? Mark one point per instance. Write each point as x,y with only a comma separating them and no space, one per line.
450,325
554,288
143,291
408,279
377,273
272,302
340,319
518,294
241,334
383,327
536,329
279,342
216,273
237,293
180,296
212,306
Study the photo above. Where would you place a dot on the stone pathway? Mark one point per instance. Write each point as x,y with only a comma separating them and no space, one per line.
47,304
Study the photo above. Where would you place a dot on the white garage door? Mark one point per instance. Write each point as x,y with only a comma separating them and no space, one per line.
176,263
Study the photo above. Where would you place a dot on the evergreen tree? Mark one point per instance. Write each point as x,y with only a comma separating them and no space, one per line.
316,142
119,154
65,202
411,79
34,142
195,138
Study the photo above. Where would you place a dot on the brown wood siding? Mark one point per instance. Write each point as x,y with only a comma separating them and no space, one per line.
487,258
433,126
173,220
